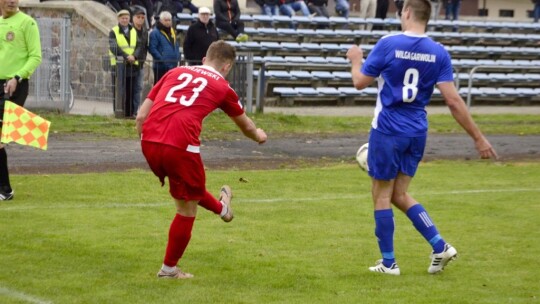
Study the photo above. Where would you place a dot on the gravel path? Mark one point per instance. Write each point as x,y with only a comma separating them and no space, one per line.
71,154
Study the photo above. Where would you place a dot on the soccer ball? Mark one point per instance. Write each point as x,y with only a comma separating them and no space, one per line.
361,157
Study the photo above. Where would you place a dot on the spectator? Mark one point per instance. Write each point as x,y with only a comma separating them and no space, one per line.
381,12
148,7
20,55
435,9
228,19
452,9
122,44
536,10
318,7
170,6
187,4
368,8
141,50
382,9
164,46
342,8
199,36
270,7
289,7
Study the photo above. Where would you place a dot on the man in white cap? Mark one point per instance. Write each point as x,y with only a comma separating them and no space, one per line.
199,36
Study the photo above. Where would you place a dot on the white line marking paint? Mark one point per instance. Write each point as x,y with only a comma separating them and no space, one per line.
21,296
98,205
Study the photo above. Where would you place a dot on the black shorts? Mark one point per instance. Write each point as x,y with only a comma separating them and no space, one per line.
19,97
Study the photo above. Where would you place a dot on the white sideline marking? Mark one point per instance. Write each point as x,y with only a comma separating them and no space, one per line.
21,296
269,200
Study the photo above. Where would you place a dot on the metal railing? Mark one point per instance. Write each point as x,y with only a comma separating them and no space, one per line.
491,67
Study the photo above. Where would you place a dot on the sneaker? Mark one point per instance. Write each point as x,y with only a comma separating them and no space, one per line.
175,274
440,260
225,196
242,38
379,267
6,196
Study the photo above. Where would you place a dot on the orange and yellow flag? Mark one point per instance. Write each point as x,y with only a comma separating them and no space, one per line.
24,127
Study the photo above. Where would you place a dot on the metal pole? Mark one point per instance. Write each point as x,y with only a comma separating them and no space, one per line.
249,75
261,89
64,62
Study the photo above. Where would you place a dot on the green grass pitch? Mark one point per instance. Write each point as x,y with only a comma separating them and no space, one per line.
299,236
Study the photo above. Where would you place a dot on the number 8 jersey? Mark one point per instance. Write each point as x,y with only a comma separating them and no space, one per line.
182,99
408,67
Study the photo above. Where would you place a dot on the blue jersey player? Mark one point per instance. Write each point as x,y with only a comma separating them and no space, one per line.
407,66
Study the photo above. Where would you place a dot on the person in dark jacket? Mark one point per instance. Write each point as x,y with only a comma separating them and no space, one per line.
147,6
318,7
199,36
228,19
141,50
536,10
164,47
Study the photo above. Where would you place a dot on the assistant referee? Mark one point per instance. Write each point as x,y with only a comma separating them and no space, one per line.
20,55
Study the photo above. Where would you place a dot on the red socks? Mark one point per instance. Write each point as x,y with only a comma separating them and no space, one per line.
209,202
179,236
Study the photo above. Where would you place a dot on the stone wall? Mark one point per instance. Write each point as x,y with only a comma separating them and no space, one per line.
90,25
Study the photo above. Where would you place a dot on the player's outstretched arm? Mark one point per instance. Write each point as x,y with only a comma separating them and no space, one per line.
463,117
249,129
355,56
144,110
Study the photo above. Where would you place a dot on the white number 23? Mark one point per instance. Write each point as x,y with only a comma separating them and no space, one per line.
186,79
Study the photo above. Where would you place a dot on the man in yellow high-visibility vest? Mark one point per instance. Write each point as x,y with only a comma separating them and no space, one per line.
122,44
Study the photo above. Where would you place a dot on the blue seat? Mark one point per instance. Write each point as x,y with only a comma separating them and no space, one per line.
288,32
334,20
274,59
296,59
322,75
278,74
270,45
285,91
337,60
262,18
527,92
301,74
342,75
306,91
316,59
328,91
291,46
348,91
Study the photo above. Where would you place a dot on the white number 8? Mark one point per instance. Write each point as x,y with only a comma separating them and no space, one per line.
410,83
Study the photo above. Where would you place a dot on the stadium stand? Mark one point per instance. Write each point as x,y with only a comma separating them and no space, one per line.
307,65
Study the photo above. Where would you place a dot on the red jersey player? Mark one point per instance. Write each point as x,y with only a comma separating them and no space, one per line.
169,123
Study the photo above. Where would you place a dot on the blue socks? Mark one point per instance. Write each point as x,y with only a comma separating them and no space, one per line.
422,222
384,230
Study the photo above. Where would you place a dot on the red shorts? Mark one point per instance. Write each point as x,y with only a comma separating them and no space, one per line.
187,179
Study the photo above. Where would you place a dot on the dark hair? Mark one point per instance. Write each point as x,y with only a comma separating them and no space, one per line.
399,6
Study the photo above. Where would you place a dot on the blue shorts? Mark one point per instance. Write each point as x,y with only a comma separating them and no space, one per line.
388,155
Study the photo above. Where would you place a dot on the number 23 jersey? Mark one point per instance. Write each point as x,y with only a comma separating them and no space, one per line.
408,67
182,99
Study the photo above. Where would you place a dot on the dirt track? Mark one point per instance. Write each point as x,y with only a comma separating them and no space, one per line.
77,154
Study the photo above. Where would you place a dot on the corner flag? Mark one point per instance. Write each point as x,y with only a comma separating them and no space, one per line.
24,127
